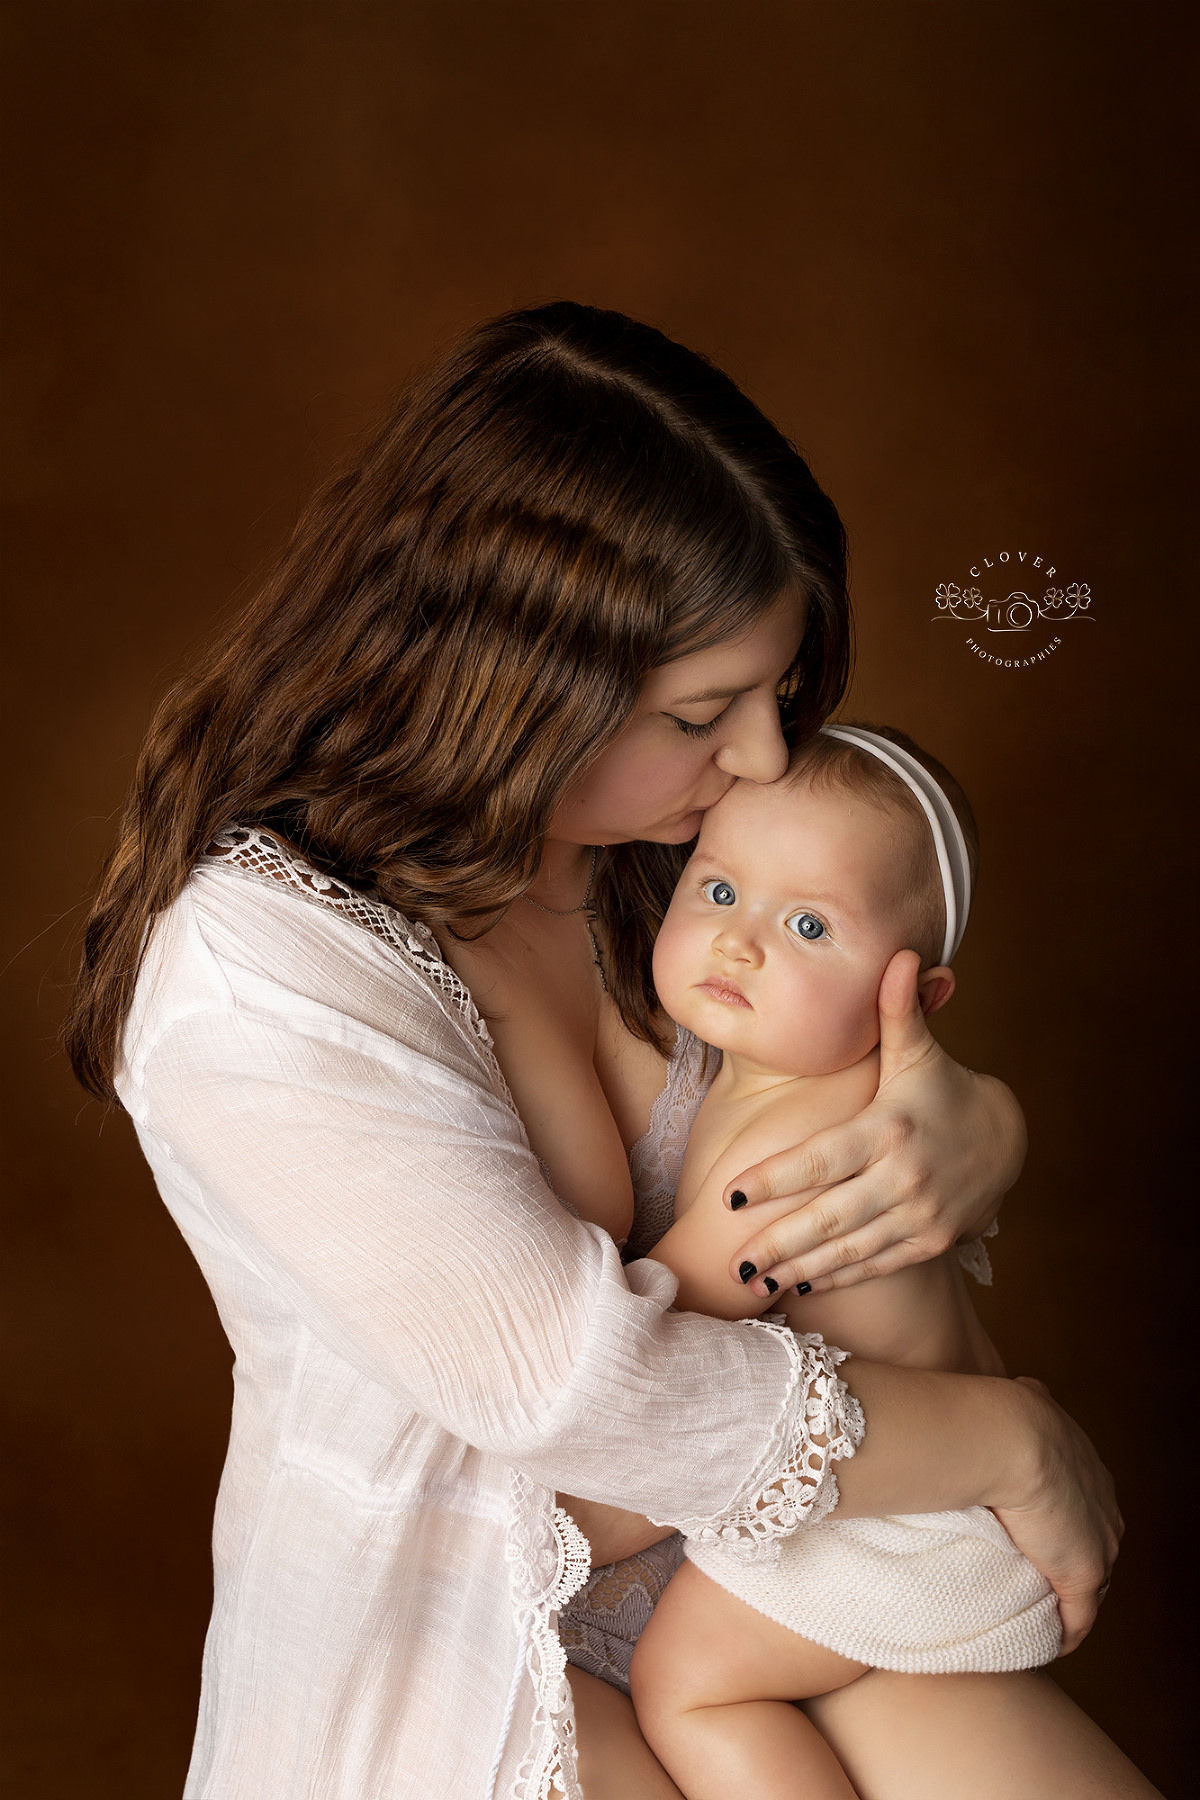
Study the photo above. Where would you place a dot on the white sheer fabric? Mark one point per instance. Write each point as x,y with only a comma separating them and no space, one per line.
427,1346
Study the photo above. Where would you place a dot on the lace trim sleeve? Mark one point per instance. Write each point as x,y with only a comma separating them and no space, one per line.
549,1560
820,1423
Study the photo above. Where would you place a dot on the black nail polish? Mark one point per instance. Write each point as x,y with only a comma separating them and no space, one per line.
804,1287
772,1287
746,1271
737,1200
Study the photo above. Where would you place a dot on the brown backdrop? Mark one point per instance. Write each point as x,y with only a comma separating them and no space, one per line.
940,243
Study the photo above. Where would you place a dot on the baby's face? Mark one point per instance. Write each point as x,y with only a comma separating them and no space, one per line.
782,925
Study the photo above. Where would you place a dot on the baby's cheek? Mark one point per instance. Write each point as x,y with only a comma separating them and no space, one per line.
818,1027
669,960
852,1032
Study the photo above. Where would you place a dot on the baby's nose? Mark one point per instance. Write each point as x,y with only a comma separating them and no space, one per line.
737,945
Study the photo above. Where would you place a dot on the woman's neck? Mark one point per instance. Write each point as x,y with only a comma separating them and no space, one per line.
563,875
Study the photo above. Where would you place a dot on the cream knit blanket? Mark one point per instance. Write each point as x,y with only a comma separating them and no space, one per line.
922,1593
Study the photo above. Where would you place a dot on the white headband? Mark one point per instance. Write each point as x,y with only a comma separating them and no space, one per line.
948,839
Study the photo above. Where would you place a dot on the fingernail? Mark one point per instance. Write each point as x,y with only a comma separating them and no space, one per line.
772,1287
804,1287
746,1271
737,1199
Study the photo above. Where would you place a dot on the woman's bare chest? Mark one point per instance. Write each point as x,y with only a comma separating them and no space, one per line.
582,1085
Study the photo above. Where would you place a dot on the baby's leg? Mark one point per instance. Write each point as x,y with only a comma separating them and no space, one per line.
994,1737
711,1682
614,1760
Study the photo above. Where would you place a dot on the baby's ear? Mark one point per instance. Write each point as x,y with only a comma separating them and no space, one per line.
935,987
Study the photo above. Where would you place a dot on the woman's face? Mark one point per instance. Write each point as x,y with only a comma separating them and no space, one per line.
702,722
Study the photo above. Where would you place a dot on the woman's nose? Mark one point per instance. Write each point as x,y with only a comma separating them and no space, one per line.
755,750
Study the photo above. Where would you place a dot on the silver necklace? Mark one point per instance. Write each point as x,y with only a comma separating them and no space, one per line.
568,912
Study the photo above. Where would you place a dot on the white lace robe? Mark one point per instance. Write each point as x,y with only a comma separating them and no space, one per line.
427,1346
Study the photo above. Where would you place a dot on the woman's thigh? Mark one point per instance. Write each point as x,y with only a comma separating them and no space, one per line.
615,1762
994,1737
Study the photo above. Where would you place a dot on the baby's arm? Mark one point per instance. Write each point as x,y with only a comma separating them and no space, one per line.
700,1244
920,1316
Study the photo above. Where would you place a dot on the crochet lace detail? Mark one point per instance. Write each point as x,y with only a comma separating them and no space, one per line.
265,857
820,1423
973,1256
549,1559
656,1159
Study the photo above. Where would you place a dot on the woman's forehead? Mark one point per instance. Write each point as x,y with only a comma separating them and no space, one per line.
722,670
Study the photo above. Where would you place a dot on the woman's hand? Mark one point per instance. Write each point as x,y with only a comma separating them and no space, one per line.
1067,1523
935,1442
925,1165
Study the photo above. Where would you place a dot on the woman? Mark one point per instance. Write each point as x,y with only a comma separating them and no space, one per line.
575,587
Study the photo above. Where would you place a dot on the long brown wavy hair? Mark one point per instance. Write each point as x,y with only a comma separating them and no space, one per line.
461,623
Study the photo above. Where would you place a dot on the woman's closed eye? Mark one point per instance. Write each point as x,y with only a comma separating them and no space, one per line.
807,926
721,893
698,731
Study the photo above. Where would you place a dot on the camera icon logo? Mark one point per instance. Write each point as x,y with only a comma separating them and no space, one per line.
1017,613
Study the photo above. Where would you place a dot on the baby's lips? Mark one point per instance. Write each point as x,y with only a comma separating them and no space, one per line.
717,985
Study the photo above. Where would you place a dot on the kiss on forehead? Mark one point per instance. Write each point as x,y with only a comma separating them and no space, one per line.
799,894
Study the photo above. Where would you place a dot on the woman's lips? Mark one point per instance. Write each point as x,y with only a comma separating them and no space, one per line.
697,812
728,992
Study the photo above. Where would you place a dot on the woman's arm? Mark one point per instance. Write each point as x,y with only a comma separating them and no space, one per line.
937,1442
385,1199
389,1203
925,1165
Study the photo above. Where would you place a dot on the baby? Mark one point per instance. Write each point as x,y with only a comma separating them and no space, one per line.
797,898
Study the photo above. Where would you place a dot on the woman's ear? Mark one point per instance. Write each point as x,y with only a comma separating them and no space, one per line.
935,987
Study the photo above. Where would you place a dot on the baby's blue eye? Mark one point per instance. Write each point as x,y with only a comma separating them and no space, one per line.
805,926
719,892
